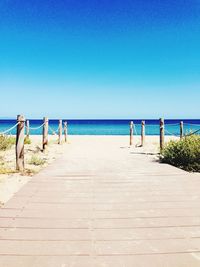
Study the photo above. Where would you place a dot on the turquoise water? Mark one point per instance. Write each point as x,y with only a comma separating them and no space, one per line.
108,127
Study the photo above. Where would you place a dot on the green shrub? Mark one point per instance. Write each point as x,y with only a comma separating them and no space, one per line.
6,142
27,141
35,160
184,153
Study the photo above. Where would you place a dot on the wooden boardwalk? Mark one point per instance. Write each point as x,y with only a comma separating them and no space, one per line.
104,205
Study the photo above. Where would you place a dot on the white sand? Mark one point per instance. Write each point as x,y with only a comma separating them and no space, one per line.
11,183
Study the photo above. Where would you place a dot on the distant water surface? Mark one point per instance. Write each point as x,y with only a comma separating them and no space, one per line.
108,127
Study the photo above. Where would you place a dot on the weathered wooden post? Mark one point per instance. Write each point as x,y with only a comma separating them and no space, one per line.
60,132
27,129
161,135
131,133
65,131
45,133
20,143
181,129
142,133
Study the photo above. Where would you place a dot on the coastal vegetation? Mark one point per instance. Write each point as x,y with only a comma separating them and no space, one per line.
6,142
4,169
37,161
184,154
27,140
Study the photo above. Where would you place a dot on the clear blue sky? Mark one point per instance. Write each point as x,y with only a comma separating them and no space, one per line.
100,59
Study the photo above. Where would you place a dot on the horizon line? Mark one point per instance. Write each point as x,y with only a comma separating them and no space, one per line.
64,118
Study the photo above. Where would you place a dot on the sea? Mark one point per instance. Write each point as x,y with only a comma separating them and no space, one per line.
107,127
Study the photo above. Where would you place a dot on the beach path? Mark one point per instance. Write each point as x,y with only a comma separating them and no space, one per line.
103,204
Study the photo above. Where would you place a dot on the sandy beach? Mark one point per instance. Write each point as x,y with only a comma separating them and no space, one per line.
11,183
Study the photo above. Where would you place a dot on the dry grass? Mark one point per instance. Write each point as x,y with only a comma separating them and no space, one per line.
36,160
6,142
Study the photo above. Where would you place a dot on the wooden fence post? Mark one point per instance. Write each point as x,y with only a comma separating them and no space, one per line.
27,129
181,129
143,133
65,131
60,132
20,143
161,135
131,133
45,133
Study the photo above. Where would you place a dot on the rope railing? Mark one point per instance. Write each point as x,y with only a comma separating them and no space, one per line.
190,134
23,125
39,127
169,129
35,128
53,131
9,130
137,126
172,134
157,124
135,129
